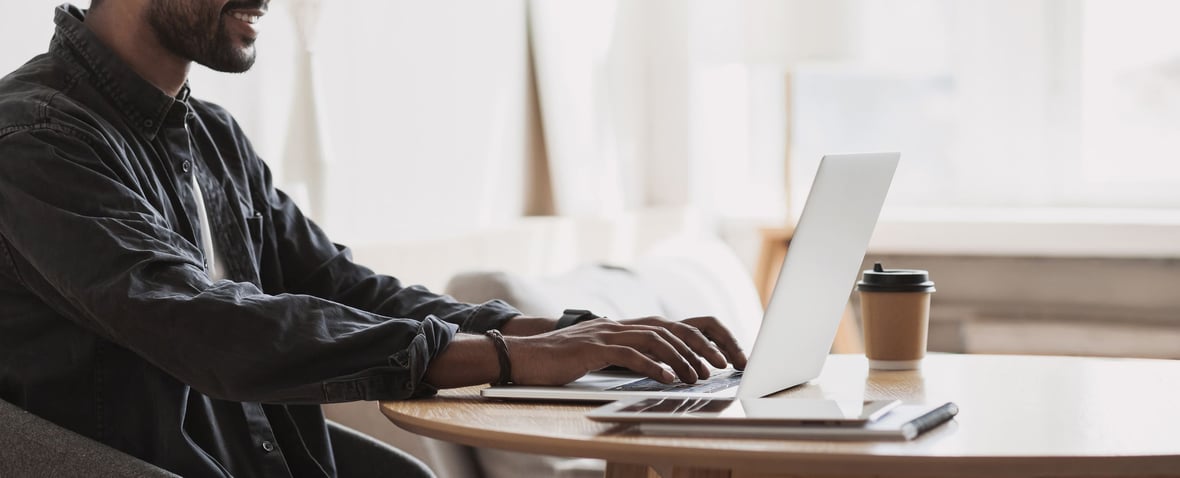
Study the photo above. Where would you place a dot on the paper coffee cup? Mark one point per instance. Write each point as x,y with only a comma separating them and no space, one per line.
895,311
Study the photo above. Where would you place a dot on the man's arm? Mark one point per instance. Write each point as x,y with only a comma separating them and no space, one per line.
313,265
523,325
100,255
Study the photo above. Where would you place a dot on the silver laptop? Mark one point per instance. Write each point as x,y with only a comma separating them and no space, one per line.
801,320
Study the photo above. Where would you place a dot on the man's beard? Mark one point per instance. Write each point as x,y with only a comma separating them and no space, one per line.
198,34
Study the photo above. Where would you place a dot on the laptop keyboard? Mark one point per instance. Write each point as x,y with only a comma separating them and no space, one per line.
712,384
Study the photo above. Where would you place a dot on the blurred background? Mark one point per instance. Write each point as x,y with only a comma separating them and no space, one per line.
511,145
1040,174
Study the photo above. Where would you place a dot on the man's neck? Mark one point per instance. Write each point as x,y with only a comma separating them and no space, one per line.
118,27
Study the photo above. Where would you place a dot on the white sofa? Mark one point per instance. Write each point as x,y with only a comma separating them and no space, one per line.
543,265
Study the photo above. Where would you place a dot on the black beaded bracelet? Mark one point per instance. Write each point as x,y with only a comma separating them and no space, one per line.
502,354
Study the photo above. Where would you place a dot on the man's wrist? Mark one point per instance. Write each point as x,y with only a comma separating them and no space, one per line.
502,357
521,326
468,360
574,316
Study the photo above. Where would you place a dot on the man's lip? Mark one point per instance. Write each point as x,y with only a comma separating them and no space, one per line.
254,12
249,8
249,16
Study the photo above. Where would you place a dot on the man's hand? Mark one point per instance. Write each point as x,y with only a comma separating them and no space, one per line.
704,335
561,356
558,357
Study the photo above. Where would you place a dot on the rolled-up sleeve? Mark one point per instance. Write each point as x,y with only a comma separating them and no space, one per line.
411,362
83,240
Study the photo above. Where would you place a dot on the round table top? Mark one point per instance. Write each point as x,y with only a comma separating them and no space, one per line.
1019,416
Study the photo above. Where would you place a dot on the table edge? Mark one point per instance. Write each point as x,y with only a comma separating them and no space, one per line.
757,461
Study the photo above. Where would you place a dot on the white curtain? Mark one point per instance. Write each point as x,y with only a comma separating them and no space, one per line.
420,107
571,42
673,103
305,155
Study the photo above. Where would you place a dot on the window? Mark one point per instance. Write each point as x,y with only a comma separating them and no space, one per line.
1042,105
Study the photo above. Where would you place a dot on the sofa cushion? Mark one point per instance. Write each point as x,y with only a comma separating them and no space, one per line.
608,291
692,277
679,279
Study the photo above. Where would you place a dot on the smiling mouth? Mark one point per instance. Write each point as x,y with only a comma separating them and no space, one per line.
250,18
249,12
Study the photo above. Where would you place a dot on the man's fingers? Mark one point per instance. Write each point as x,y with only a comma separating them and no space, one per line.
688,351
713,330
628,357
718,345
655,342
667,348
699,343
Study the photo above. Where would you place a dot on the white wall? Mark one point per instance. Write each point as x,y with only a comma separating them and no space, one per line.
25,27
426,108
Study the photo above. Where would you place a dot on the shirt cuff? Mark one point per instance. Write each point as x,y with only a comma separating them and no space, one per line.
489,315
407,367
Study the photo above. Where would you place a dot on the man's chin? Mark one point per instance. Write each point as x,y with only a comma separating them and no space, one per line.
239,61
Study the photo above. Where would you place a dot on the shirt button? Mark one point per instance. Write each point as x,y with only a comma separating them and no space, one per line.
148,123
268,446
186,166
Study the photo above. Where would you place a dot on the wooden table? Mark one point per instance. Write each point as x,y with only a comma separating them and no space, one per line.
1021,416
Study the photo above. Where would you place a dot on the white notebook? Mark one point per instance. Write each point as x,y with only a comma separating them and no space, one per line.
905,422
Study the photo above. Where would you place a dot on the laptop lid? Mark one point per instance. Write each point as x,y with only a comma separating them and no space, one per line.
808,301
819,271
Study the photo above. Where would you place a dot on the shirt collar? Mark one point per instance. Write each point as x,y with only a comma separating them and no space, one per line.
143,104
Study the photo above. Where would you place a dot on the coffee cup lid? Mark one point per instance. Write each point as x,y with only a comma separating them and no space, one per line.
880,279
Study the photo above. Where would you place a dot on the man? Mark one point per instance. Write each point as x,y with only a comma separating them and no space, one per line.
159,295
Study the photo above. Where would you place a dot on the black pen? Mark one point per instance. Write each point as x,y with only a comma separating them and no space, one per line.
928,421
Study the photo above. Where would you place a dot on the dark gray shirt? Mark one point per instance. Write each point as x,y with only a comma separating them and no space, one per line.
109,323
